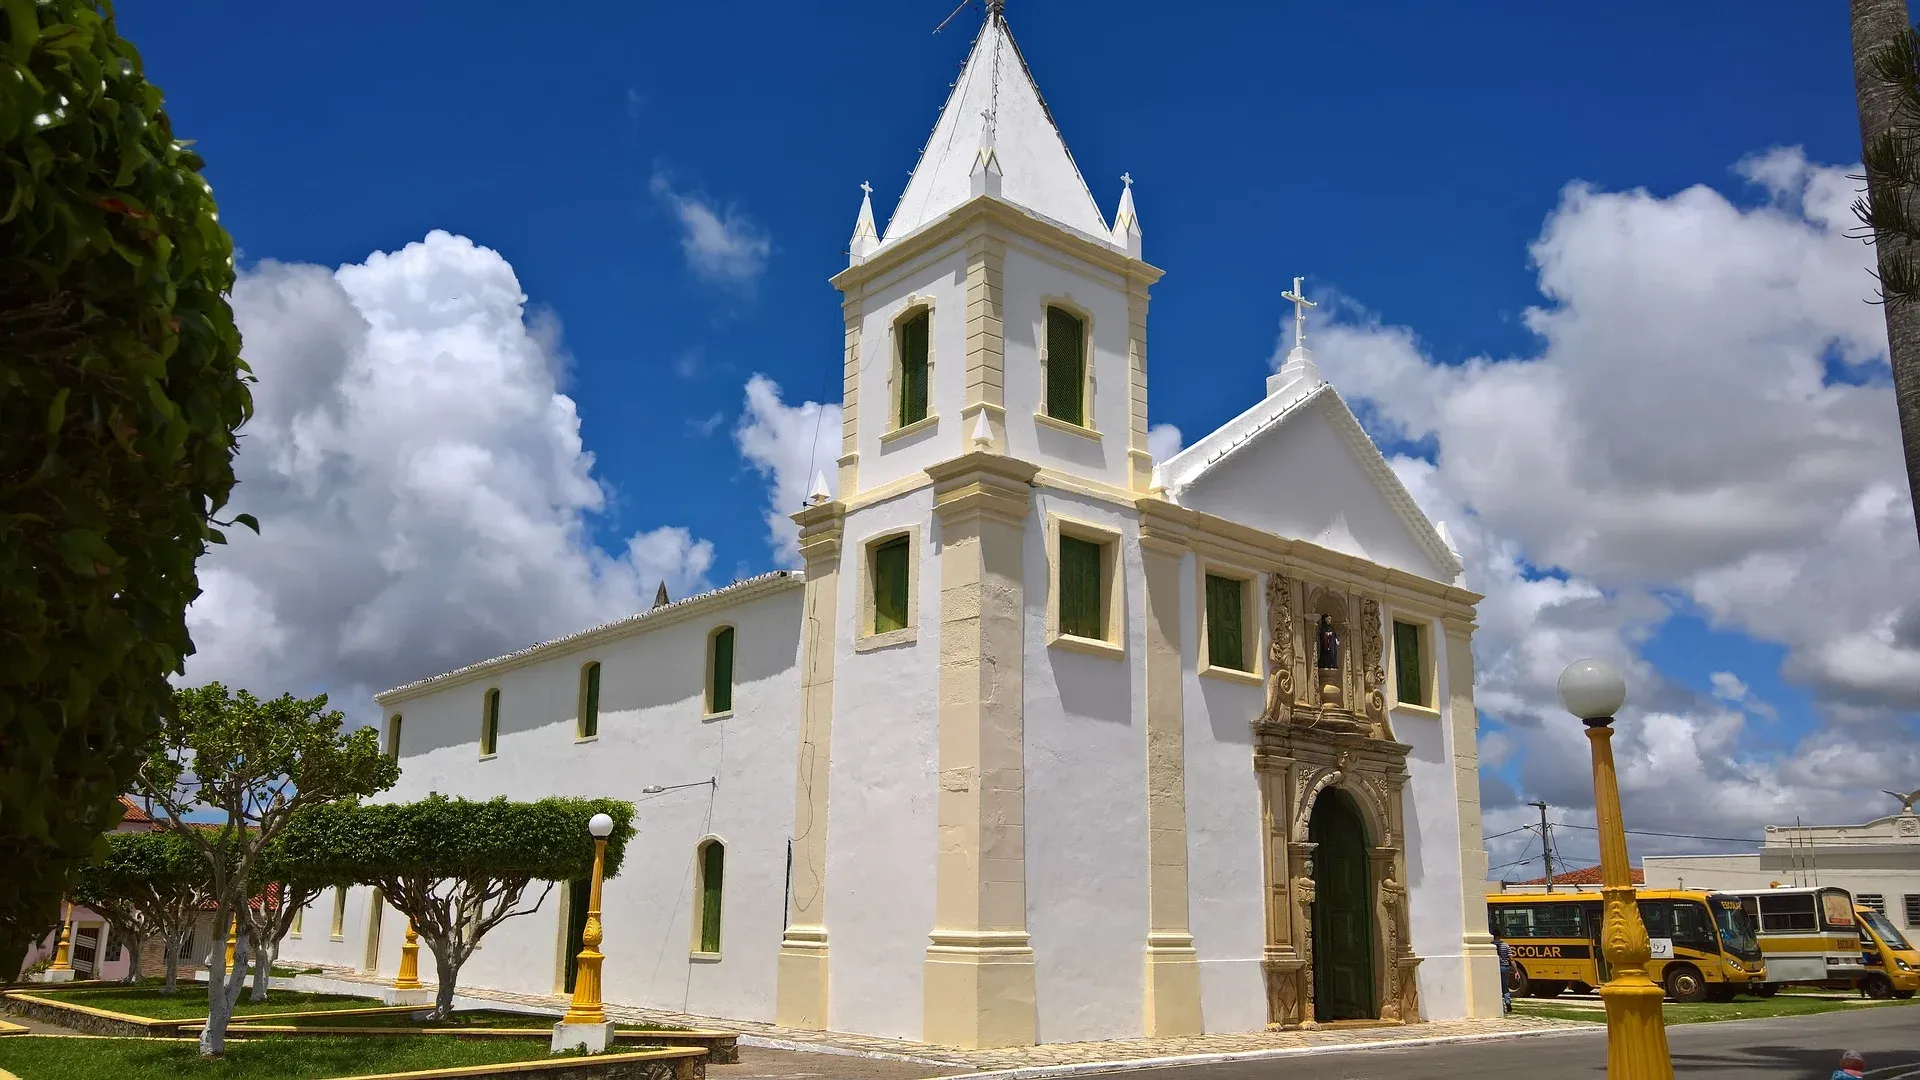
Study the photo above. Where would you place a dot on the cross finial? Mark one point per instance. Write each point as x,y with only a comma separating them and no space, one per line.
1127,179
1300,305
866,188
996,8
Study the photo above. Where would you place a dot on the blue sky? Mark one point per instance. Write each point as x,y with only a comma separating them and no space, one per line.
1401,156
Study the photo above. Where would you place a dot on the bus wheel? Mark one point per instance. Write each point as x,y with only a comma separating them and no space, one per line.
1517,983
1685,984
1766,990
1876,986
1548,988
1580,987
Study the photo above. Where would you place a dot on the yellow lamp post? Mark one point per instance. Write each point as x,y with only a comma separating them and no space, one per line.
409,977
586,1020
1636,1030
233,940
63,951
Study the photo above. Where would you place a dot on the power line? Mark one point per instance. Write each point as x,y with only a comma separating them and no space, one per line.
1672,835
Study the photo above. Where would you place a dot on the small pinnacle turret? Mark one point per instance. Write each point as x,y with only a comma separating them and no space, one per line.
660,596
866,238
1126,222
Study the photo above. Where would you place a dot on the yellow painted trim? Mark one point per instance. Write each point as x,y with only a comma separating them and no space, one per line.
904,309
1170,992
1089,428
986,358
1138,456
1429,662
697,924
865,640
986,214
339,924
1088,433
929,422
1090,646
535,1065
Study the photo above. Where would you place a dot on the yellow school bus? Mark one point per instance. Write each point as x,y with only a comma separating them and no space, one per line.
1893,964
1809,936
1703,943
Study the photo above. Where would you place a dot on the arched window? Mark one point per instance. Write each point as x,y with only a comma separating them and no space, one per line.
720,671
712,859
911,336
393,736
490,724
589,724
1066,367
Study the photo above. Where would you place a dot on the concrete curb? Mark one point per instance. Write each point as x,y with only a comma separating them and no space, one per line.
798,1047
1090,1068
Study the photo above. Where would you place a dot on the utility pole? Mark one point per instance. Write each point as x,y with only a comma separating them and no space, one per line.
1546,842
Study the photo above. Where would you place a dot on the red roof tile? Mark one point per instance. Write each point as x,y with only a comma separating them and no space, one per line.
1586,875
132,814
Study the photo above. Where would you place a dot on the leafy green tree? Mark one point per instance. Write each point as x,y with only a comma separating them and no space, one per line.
121,386
149,885
251,764
270,915
1886,84
458,868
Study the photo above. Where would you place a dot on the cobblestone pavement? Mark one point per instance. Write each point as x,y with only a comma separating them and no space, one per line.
770,1036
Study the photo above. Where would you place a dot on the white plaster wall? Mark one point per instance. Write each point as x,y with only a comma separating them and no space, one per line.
1301,480
1436,916
1031,281
1085,811
882,820
1893,876
651,731
1225,876
940,276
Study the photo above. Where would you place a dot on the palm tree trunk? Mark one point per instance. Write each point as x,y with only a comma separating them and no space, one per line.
1877,23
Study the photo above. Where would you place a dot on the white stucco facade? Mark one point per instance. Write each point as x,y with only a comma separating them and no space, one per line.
1016,818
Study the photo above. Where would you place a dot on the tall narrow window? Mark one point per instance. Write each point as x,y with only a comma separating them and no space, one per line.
1226,634
720,671
1409,665
1080,591
589,700
393,736
339,913
299,920
912,335
490,724
890,585
1066,367
713,859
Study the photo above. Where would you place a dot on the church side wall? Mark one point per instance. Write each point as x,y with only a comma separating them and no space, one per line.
882,818
940,279
651,731
1223,828
1086,830
1435,916
1032,282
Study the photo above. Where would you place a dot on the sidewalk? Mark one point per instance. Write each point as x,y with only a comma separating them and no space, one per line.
1053,1059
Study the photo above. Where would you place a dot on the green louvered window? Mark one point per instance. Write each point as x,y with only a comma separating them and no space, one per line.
590,700
713,865
720,671
913,368
1409,667
1066,367
490,724
890,585
1226,631
1080,591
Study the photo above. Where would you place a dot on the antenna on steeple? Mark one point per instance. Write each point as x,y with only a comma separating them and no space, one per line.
955,12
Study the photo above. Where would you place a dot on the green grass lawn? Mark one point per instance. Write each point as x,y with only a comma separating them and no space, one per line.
1702,1012
39,1057
190,1001
466,1018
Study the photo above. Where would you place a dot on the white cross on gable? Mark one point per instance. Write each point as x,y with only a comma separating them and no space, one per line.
1300,305
866,188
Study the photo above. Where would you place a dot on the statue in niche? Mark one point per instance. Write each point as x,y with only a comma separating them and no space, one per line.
1327,650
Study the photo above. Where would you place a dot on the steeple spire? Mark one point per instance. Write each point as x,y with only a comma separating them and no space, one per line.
866,238
1126,223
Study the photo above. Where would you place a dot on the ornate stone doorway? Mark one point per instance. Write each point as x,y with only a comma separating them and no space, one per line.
1343,911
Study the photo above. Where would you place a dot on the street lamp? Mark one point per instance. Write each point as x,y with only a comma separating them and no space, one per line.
61,970
1636,1031
586,1022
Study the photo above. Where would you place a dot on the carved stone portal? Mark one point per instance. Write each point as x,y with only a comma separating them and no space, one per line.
1319,734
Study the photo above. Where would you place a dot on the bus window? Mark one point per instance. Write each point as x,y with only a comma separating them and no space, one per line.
1510,921
1657,915
1885,930
1837,907
1559,920
1792,912
1693,928
1736,929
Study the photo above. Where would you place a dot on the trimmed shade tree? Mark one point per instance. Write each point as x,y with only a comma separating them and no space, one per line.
457,868
149,884
121,387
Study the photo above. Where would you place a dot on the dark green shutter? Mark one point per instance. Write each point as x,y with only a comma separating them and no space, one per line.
720,695
1080,588
713,866
890,585
578,894
1409,667
1226,644
590,705
1066,367
490,725
913,369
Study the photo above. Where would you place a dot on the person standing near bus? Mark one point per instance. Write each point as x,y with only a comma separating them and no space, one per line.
1506,973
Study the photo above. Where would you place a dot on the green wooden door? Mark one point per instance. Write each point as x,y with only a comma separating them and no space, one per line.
1342,912
578,893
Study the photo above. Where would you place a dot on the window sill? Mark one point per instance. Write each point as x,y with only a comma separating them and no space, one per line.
1061,425
925,423
906,635
595,737
490,757
1090,646
1415,710
1227,674
699,957
705,717
337,937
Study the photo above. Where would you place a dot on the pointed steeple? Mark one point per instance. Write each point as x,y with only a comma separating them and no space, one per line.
996,137
866,238
660,596
1126,223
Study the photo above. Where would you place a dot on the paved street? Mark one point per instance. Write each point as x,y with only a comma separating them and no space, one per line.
1797,1047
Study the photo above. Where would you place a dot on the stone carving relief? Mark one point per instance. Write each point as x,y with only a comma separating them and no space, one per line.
1373,675
1280,651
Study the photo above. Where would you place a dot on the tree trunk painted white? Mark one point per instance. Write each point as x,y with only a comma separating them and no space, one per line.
223,990
262,968
172,960
133,960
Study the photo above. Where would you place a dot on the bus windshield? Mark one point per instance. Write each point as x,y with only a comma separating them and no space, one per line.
1884,930
1736,930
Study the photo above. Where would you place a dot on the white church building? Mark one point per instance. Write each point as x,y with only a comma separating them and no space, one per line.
1048,741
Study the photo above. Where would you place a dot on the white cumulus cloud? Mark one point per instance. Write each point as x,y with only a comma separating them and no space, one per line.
789,445
721,244
423,495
